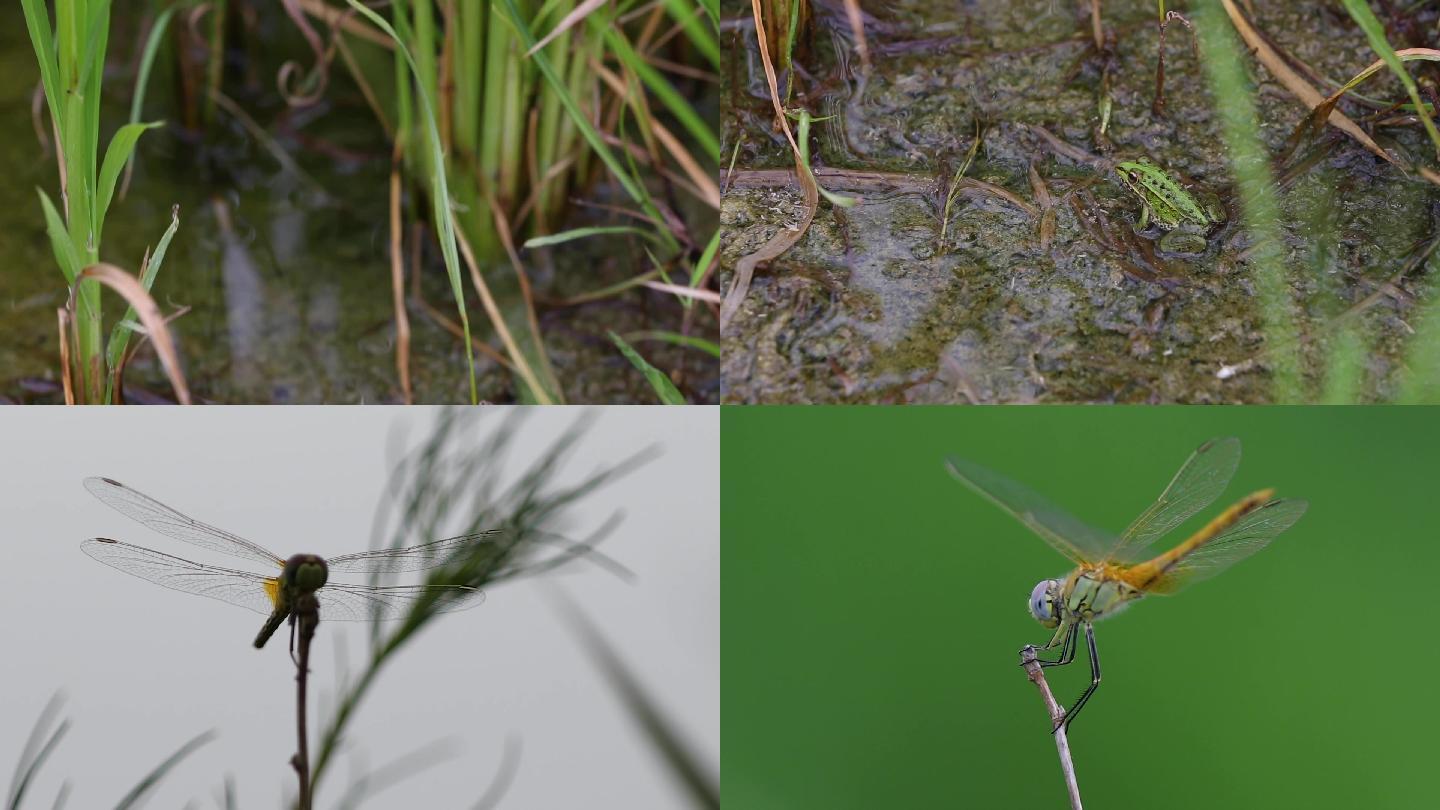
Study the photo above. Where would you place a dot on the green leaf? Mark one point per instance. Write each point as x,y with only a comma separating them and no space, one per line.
689,341
65,254
37,21
666,390
581,233
711,248
120,334
704,39
116,155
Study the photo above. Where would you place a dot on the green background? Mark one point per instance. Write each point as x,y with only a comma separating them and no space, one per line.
874,607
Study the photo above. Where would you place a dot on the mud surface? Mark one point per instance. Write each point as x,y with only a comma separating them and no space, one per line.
874,304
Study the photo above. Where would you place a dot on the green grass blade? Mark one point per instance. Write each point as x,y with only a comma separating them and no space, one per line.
152,45
1346,368
581,233
666,390
587,130
712,7
701,130
138,792
33,756
689,341
1421,384
1235,101
120,334
65,254
116,156
706,259
1375,32
37,21
142,79
440,195
703,38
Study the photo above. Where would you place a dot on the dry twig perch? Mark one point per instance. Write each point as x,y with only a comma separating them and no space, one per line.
1031,663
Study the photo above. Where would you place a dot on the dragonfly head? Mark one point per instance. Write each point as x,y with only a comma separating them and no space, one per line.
305,572
1042,602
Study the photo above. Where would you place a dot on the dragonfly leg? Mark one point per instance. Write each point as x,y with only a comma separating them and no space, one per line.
1067,648
1094,680
293,659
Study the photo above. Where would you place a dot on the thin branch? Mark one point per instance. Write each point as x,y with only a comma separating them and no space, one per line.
304,618
1030,662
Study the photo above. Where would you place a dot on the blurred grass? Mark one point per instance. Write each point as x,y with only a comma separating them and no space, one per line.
456,480
1341,343
36,753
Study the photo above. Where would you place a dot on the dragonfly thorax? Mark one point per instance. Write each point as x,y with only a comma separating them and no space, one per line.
1094,593
305,573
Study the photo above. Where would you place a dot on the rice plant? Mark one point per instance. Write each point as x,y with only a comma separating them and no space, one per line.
71,56
507,110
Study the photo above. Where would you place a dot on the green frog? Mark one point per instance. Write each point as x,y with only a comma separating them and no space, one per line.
1186,214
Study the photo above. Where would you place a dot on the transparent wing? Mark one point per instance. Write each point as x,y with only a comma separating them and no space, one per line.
150,512
1250,533
361,603
413,558
1198,483
1066,533
251,591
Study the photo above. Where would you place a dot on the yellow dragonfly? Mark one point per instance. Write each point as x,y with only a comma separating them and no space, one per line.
276,593
1111,572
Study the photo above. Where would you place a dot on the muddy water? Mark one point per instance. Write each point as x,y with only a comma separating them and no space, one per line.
286,273
875,305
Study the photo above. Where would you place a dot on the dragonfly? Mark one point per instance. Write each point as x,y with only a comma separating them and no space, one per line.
1113,571
289,581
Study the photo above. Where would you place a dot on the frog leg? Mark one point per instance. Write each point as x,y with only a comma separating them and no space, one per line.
1144,217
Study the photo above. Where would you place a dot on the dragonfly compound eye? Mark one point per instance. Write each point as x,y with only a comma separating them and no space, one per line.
1041,605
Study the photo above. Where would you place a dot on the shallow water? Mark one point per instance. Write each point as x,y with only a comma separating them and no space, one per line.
286,274
873,306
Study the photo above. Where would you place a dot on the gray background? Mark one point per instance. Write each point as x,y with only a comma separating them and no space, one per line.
145,668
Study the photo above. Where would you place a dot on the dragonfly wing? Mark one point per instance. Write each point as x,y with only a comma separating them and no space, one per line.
413,558
150,512
241,588
1198,483
1066,533
360,603
1250,533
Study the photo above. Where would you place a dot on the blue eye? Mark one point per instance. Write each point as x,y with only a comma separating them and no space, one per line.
1040,604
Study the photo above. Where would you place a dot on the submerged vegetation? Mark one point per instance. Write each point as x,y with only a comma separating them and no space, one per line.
1026,273
560,155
